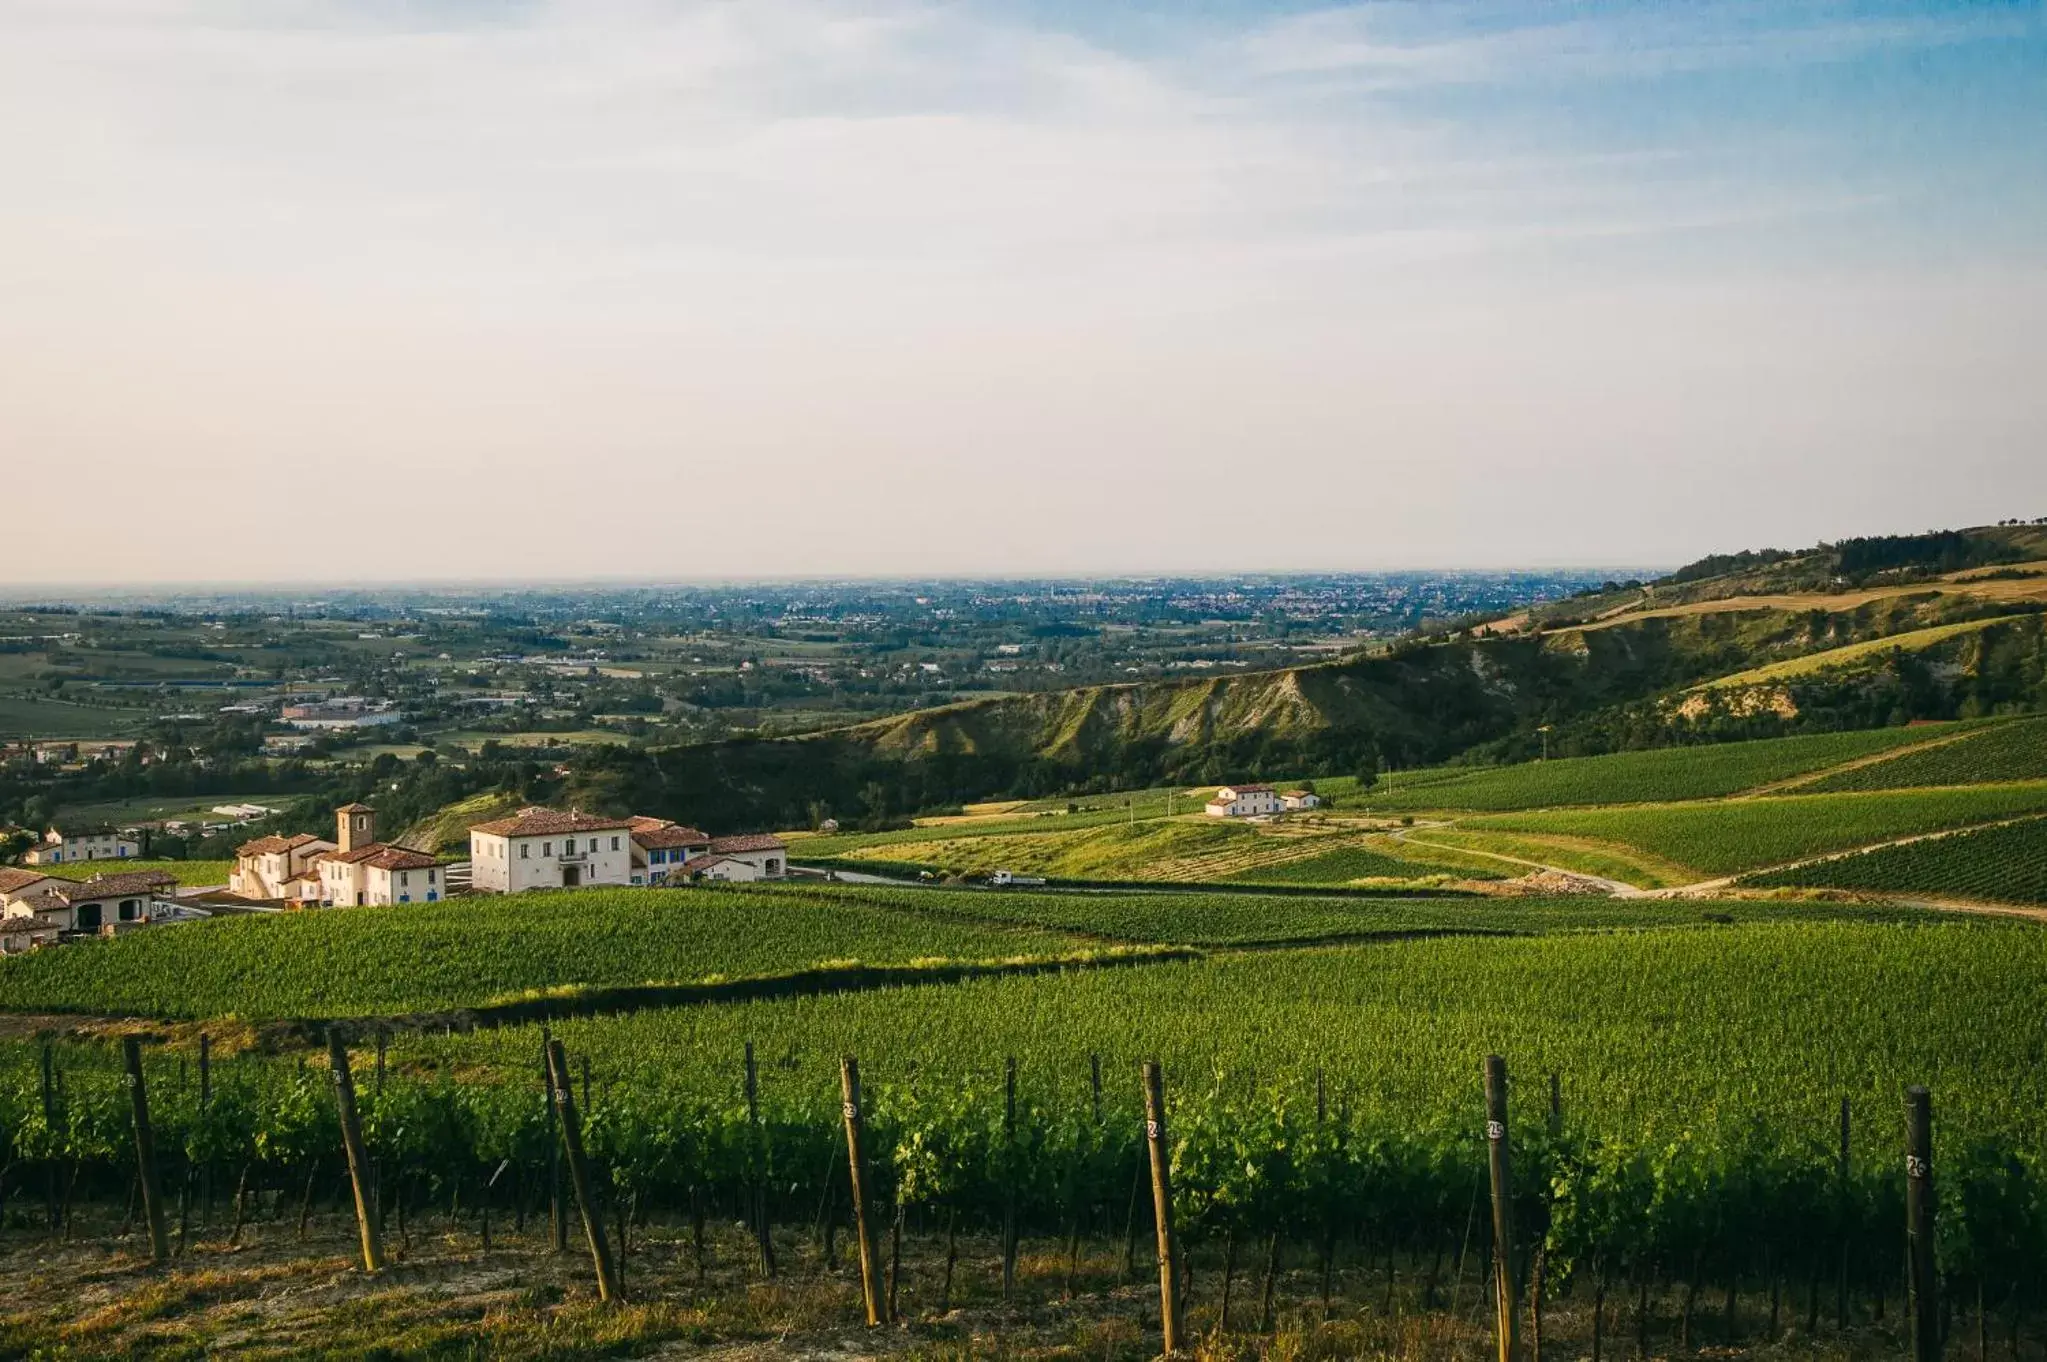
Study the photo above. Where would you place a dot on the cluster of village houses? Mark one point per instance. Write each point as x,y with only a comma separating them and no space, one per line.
532,849
535,848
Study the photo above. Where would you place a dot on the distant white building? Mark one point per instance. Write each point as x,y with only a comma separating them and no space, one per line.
544,849
1244,801
67,846
343,711
244,813
1295,800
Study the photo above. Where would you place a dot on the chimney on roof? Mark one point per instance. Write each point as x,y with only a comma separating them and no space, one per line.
355,826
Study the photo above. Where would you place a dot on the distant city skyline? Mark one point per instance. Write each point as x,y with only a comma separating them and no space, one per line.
637,291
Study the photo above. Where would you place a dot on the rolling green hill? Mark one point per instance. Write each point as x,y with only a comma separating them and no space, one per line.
1621,685
448,830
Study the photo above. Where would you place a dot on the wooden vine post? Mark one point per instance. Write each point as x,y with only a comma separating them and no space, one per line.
1009,1153
50,1124
557,1219
1847,1240
205,1101
352,1145
1162,1205
856,1167
762,1231
145,1152
1919,1206
1506,1285
579,1172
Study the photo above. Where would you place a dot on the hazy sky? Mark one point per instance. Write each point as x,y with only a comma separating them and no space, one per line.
369,289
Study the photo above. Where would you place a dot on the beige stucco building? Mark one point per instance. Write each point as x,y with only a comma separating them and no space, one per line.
277,867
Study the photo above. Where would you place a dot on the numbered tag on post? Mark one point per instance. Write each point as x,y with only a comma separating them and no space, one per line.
852,1111
1495,1130
1915,1167
1151,1130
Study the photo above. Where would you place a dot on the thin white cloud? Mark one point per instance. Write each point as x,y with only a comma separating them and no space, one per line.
897,264
1401,45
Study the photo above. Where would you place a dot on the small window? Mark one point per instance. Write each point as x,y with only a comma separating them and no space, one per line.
524,847
430,876
547,848
614,844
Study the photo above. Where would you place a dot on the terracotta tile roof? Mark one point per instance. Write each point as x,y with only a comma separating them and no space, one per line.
40,902
671,835
399,858
646,823
751,841
13,881
697,864
541,822
27,931
1248,789
355,808
267,846
111,886
383,856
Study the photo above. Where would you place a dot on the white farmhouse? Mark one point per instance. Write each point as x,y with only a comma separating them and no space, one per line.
1244,801
545,849
748,857
362,870
1293,801
15,884
661,847
379,873
64,846
100,903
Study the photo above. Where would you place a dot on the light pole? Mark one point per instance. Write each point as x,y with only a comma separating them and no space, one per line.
1544,730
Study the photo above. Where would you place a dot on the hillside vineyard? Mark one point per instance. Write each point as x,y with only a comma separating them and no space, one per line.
1644,970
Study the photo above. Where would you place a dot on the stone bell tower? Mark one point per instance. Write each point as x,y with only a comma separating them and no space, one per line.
355,826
